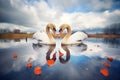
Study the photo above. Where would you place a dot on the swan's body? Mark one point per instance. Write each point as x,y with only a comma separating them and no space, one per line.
41,37
45,37
75,38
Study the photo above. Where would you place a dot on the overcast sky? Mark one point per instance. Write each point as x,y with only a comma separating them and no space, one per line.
79,14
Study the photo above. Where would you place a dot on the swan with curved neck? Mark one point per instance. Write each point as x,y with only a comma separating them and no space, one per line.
53,28
66,37
46,37
75,38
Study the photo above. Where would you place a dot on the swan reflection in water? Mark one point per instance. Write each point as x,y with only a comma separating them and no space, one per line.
50,61
65,50
62,60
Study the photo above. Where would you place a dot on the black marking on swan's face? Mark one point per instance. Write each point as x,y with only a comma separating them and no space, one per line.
60,29
54,29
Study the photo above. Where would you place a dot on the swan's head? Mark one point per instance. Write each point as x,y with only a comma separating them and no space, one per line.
52,27
62,28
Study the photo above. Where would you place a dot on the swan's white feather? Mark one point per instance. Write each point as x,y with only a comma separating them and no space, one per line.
77,36
41,36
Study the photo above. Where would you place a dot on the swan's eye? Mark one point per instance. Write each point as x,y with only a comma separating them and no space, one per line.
60,29
54,29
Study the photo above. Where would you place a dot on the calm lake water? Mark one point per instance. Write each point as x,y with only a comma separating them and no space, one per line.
79,62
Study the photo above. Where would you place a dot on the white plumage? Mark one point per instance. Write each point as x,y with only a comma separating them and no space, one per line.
42,37
77,37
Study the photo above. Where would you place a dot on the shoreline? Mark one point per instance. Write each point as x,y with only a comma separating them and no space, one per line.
15,35
104,36
24,35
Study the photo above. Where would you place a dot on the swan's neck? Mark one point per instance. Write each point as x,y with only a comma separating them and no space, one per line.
52,40
65,39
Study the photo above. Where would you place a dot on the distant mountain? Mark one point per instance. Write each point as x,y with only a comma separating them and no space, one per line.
90,31
6,27
110,29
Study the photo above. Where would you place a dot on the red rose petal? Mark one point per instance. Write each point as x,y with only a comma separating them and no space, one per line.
37,70
104,72
106,64
50,62
110,59
29,65
15,55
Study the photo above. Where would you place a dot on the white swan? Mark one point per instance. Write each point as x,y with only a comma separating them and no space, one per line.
75,38
46,37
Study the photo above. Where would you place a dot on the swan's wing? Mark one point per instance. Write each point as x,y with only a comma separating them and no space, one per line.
77,37
41,36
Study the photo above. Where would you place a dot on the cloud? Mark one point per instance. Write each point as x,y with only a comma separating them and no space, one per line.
101,4
38,13
19,13
80,20
94,5
112,17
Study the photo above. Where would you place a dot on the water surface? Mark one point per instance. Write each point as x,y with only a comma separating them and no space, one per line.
79,62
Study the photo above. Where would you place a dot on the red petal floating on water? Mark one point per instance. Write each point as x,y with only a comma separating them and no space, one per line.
106,64
50,62
29,65
104,72
110,59
15,55
37,70
61,54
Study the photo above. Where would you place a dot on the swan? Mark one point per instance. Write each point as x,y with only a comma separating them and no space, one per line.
46,37
75,38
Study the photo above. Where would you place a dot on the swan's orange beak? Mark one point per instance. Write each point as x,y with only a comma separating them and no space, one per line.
60,32
54,32
61,54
